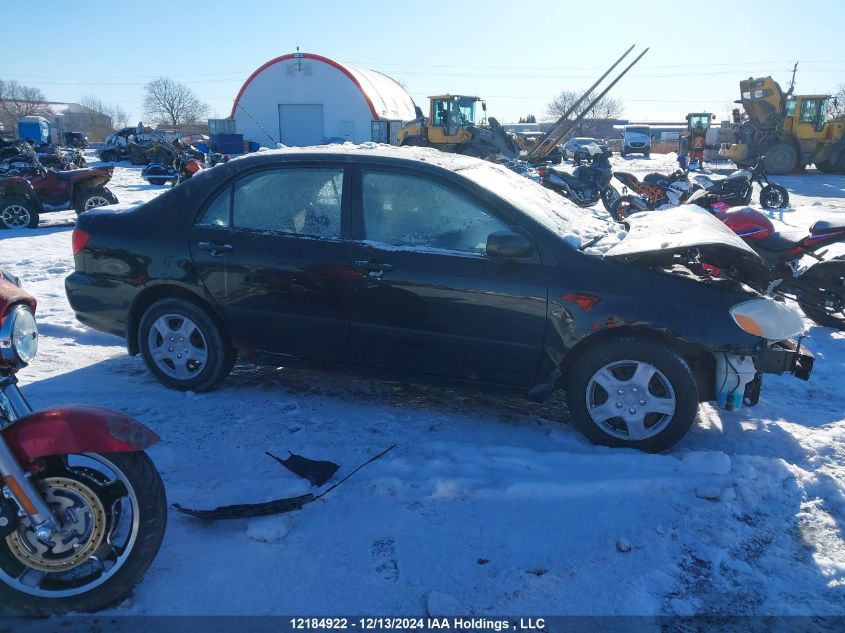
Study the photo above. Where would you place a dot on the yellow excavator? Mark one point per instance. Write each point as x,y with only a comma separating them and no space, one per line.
788,131
451,126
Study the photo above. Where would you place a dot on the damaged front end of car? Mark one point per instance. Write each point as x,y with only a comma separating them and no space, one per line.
689,243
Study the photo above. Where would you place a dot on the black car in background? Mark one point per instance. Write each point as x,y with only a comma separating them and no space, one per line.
440,265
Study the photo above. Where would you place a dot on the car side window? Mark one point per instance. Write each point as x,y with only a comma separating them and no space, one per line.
217,213
302,201
413,211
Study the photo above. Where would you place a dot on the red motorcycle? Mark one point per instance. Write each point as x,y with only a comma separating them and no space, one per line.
83,509
819,289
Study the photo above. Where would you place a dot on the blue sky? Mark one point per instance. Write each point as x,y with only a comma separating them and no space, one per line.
515,55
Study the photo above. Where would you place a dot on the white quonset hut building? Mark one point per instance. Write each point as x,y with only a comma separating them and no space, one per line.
305,99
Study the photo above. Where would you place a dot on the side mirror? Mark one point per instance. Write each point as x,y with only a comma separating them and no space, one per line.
508,245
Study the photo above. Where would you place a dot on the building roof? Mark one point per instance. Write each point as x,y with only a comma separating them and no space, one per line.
384,96
59,108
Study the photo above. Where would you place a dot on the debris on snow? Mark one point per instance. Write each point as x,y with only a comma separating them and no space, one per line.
537,571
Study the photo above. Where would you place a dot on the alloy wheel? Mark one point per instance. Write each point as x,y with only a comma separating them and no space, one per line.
100,519
95,201
15,216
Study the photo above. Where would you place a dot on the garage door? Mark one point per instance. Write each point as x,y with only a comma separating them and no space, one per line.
301,124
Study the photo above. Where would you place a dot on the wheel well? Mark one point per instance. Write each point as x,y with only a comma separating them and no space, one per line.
700,361
155,293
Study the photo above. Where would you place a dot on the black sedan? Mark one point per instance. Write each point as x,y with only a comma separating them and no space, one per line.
419,261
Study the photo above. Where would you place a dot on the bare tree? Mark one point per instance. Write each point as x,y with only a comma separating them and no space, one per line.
18,100
119,116
836,109
605,108
172,103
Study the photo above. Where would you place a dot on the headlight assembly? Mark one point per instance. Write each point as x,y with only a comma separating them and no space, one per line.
18,337
768,319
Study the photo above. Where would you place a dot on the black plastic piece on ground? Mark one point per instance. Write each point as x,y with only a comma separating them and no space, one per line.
317,472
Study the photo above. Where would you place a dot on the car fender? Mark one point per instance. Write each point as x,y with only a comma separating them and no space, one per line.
76,429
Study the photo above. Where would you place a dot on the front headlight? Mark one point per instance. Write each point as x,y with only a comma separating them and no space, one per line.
19,337
766,318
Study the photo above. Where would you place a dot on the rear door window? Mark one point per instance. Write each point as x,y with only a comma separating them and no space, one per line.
301,201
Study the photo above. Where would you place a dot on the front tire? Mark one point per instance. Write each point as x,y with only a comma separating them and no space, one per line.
18,213
623,207
774,197
121,491
632,392
183,346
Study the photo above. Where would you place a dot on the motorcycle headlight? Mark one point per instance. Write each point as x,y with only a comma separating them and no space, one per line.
768,319
19,337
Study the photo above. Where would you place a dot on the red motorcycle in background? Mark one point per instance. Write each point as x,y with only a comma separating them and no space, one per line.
83,509
819,289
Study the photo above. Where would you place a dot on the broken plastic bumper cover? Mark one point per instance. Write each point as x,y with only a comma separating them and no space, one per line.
317,472
786,357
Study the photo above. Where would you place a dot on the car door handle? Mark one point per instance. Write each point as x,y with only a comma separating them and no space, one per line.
374,269
215,248
373,266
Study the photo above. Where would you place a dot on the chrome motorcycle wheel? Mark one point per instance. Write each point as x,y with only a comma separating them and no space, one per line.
112,513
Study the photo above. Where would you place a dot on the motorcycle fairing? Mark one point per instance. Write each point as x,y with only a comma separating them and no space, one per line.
76,429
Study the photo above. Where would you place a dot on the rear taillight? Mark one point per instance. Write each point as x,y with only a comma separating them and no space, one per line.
79,240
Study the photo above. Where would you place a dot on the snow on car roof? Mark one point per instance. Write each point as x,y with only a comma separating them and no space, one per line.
572,223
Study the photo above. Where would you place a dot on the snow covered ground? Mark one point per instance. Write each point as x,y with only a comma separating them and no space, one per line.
487,505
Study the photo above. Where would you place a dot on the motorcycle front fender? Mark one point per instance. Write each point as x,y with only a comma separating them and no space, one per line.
76,429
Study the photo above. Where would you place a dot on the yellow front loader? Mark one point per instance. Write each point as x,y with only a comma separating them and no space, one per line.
451,127
788,132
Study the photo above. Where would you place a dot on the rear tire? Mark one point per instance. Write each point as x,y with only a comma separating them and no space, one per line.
774,197
204,356
18,213
780,159
92,198
623,208
609,197
828,277
659,394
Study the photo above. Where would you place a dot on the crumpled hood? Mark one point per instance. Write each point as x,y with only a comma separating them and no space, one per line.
654,237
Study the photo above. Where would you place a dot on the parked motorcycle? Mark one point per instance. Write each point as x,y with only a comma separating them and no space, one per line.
652,192
818,289
83,509
588,183
737,189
